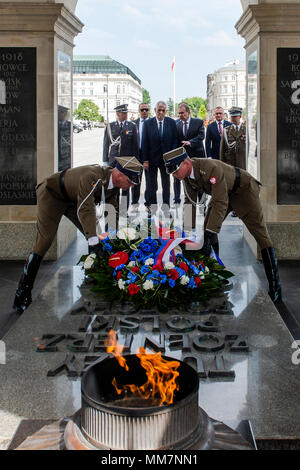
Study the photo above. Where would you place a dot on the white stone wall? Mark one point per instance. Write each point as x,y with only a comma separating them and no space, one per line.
226,87
122,89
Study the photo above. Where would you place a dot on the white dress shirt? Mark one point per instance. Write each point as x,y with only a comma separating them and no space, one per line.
162,124
222,124
188,125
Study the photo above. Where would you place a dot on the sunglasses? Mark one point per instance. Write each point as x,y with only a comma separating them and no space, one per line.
144,109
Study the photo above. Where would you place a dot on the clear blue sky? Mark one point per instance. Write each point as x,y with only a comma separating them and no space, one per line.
145,35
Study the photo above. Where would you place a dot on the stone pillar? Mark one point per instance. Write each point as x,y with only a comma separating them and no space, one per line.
36,50
271,30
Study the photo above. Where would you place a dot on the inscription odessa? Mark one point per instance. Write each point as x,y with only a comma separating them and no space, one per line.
288,126
18,141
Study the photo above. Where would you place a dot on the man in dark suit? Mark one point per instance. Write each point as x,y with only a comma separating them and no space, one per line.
159,137
214,134
120,140
144,110
191,133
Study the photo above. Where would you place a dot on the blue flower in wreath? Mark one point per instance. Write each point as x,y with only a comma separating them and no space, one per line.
192,284
118,268
131,277
149,245
145,269
136,255
194,269
107,245
163,278
172,283
181,272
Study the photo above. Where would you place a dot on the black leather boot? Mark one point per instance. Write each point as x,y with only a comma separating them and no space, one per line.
271,269
23,293
216,247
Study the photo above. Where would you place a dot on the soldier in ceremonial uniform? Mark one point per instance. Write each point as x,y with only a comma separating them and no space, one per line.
233,142
120,140
230,188
74,193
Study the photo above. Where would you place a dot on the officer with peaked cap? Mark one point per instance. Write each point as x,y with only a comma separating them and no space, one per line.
74,193
120,139
233,142
230,189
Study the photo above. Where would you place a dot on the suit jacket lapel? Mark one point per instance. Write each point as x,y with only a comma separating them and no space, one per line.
190,128
155,128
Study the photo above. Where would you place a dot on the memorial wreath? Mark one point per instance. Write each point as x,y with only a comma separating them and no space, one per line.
164,272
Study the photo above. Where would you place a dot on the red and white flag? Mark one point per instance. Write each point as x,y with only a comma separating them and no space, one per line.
173,64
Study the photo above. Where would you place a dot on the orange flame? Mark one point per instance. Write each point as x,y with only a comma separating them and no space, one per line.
115,349
161,374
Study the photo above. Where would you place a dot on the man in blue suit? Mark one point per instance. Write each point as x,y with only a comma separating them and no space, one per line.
190,133
159,137
144,109
214,134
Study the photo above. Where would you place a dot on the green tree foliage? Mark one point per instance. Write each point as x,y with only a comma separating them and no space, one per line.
88,111
170,107
202,111
196,104
146,96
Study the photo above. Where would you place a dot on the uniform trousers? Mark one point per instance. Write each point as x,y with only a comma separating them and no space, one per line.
152,186
50,209
246,203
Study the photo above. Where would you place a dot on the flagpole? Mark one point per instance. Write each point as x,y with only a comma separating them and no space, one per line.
174,87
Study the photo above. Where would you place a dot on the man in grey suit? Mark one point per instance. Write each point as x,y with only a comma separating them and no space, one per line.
120,140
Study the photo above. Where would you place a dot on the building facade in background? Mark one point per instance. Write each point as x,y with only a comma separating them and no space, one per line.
226,87
107,83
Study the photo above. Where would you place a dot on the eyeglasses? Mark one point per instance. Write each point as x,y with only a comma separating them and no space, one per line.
144,109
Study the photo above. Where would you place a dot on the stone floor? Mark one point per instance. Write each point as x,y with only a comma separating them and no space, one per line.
234,252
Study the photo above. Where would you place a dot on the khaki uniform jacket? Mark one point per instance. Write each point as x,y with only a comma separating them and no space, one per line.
233,146
83,186
217,179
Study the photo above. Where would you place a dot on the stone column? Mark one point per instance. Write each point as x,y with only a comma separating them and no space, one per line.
271,30
36,50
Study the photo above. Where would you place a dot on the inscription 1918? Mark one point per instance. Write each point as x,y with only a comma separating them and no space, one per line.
288,126
17,125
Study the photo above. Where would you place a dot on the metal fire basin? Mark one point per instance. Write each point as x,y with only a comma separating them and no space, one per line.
110,423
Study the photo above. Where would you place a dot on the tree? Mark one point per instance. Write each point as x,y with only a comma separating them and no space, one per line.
170,107
202,111
88,111
195,104
146,96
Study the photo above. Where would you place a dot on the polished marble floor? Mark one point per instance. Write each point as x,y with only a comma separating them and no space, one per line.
234,251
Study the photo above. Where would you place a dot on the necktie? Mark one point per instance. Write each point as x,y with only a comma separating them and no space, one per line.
185,128
121,126
220,129
160,129
141,131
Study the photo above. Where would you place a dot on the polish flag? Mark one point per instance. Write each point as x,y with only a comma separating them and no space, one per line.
173,64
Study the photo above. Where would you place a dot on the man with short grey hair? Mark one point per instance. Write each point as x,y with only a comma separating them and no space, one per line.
159,137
